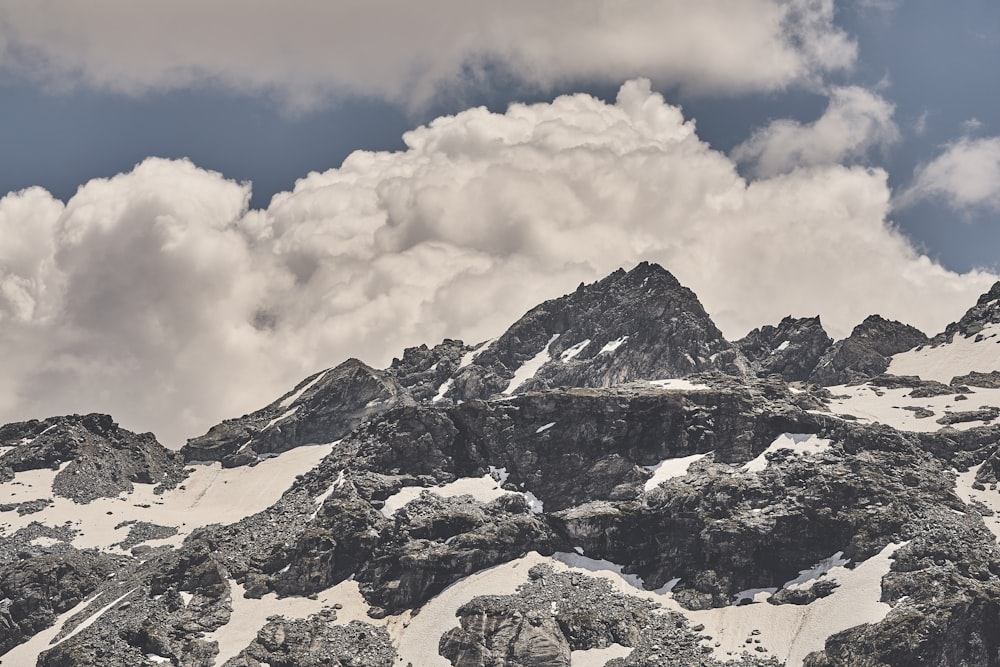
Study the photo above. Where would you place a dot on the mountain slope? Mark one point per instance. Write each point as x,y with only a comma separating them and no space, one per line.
603,510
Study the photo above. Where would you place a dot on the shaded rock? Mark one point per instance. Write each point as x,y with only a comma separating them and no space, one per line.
792,349
866,352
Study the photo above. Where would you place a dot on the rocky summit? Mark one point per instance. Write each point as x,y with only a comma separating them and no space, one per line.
608,482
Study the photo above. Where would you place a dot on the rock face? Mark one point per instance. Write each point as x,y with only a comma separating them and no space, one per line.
792,349
420,514
322,408
866,352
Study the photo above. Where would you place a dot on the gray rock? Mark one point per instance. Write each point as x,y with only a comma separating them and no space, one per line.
792,349
660,327
322,408
101,459
866,352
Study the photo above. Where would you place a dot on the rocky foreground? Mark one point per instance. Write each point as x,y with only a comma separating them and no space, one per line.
609,482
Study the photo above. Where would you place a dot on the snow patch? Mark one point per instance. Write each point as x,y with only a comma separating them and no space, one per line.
613,345
283,417
753,595
879,404
93,617
210,494
543,429
668,468
442,390
470,356
530,367
678,385
800,443
27,653
250,615
484,489
534,503
500,475
571,352
808,576
989,497
320,499
783,346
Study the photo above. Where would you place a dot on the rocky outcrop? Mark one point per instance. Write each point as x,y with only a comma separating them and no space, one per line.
866,352
322,408
989,380
95,457
555,613
316,642
436,541
985,312
792,349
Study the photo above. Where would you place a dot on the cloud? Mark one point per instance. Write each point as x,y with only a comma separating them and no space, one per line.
855,121
971,125
965,175
308,50
157,295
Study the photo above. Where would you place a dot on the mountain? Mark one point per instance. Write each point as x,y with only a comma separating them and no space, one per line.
608,482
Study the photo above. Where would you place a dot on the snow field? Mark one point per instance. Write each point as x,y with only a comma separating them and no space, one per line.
959,357
865,402
211,494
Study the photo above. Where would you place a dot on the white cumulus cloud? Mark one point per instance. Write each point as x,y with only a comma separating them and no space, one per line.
306,50
965,175
158,296
855,121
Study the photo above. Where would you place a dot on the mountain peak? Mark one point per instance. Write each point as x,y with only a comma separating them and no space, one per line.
636,325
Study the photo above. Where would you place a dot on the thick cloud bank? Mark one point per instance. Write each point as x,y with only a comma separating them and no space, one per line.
158,296
307,49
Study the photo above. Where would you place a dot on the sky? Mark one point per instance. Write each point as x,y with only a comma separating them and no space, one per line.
206,205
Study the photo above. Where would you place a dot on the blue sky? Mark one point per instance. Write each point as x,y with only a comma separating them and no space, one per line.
844,159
